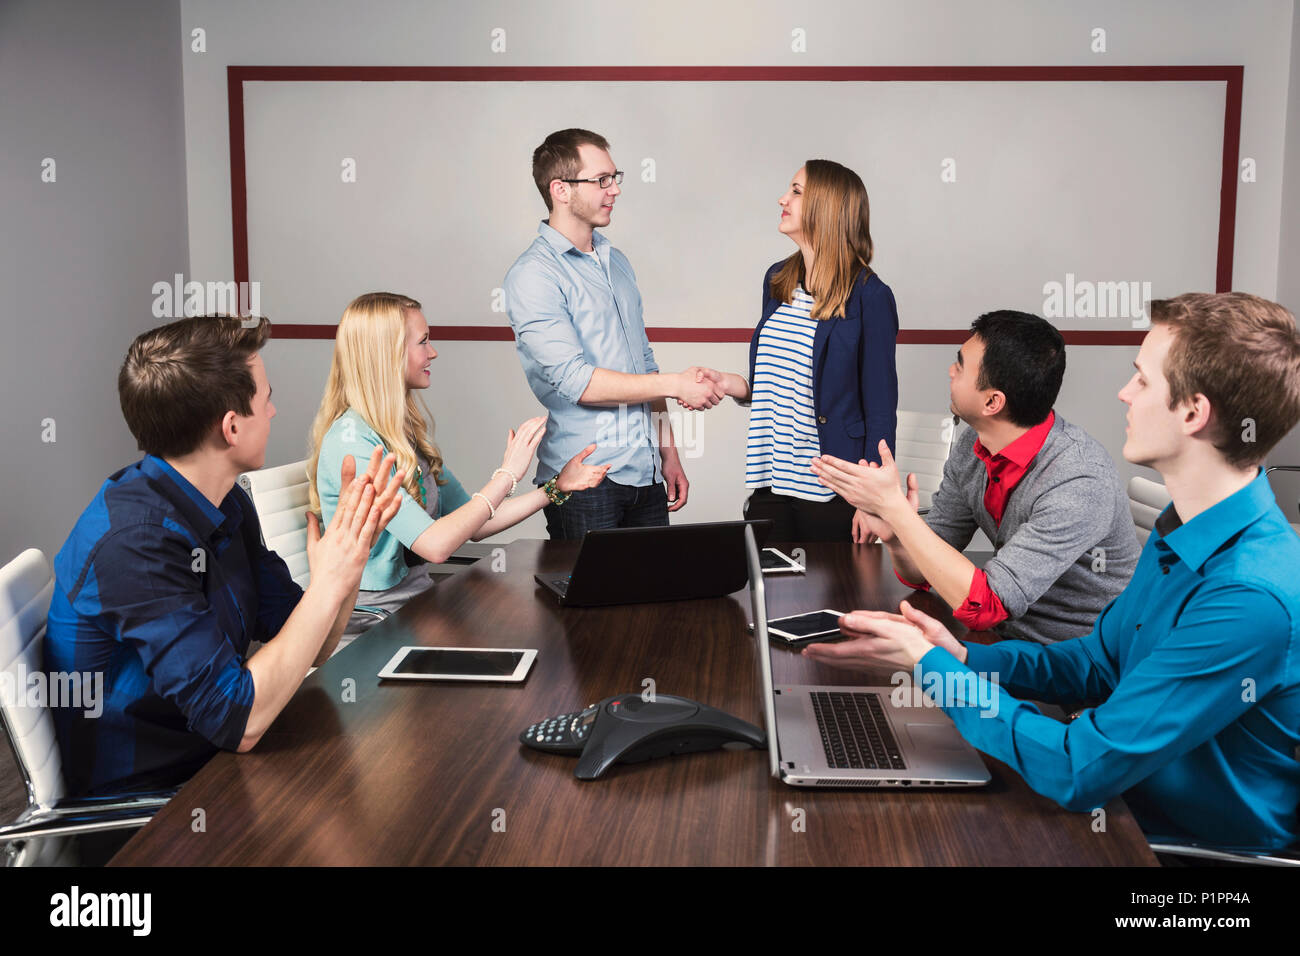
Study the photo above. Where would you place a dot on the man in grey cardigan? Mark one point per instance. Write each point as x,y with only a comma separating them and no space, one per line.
1044,491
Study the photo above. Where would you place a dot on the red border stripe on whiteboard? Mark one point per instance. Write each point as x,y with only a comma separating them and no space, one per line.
503,333
1230,76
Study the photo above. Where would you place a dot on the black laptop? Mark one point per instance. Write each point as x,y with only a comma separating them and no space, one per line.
678,562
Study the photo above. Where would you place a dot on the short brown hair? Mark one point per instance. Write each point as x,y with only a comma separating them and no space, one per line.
1243,354
557,157
179,380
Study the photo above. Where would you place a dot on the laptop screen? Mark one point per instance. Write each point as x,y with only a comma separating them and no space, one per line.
759,598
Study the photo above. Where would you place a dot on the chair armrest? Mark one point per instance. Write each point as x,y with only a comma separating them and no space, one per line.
122,801
87,814
378,613
49,823
1287,857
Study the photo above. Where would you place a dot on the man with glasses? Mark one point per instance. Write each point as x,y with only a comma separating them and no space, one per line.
576,313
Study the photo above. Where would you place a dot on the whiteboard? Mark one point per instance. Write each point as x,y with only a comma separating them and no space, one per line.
1113,181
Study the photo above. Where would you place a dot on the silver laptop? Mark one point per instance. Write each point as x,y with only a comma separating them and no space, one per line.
854,736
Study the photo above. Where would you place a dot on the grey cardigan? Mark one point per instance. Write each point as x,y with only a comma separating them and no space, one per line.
1047,569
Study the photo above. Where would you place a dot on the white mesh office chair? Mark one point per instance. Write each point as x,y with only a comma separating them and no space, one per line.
923,443
280,496
1287,857
1272,468
1146,499
26,584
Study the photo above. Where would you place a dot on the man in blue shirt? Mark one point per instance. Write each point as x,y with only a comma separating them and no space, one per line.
576,313
1194,669
165,581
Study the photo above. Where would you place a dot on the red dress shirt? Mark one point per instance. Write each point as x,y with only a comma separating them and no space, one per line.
982,609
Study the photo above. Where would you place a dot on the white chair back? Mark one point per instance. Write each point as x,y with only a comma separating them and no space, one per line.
280,496
26,586
1272,468
1146,499
924,441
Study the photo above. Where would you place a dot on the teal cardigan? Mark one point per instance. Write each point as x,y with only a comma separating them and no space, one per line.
386,567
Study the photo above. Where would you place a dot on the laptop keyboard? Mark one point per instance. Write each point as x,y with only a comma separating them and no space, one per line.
561,585
855,731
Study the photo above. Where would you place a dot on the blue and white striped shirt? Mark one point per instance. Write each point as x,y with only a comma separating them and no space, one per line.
782,426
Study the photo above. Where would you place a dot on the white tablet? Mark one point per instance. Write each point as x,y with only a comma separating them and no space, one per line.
773,561
823,625
460,663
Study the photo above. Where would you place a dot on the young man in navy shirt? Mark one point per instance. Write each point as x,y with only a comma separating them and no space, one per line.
1194,670
165,580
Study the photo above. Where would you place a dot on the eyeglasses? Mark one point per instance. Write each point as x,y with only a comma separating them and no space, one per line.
602,181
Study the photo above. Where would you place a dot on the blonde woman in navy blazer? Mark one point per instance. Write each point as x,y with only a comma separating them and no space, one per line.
821,361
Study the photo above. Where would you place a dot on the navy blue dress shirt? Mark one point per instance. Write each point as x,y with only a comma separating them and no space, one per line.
161,593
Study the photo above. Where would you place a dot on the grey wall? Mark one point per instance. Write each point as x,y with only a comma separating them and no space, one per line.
1287,486
478,387
99,88
96,87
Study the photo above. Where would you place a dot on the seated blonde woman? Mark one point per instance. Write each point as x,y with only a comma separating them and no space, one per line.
381,356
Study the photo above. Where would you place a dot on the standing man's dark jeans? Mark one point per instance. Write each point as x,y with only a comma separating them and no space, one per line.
608,505
795,519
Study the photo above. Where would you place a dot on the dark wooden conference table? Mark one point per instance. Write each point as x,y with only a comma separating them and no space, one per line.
356,771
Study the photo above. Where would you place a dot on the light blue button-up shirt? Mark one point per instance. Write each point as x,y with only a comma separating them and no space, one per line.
571,316
1197,667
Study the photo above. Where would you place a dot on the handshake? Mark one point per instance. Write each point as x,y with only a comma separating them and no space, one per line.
699,388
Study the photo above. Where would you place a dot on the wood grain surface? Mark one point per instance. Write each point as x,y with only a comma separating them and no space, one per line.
356,771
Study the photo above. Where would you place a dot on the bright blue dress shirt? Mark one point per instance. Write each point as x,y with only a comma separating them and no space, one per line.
161,593
571,316
1197,665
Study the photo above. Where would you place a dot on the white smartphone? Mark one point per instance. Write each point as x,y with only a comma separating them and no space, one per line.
773,561
459,663
823,625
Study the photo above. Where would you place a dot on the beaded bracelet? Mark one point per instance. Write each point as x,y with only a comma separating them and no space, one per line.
492,512
553,492
509,474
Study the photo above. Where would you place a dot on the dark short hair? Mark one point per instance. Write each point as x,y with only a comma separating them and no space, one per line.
557,157
1243,354
179,380
1024,359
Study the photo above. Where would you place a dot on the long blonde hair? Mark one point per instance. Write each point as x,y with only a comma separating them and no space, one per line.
837,221
368,375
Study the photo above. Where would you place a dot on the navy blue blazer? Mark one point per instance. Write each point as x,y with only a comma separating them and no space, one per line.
855,378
